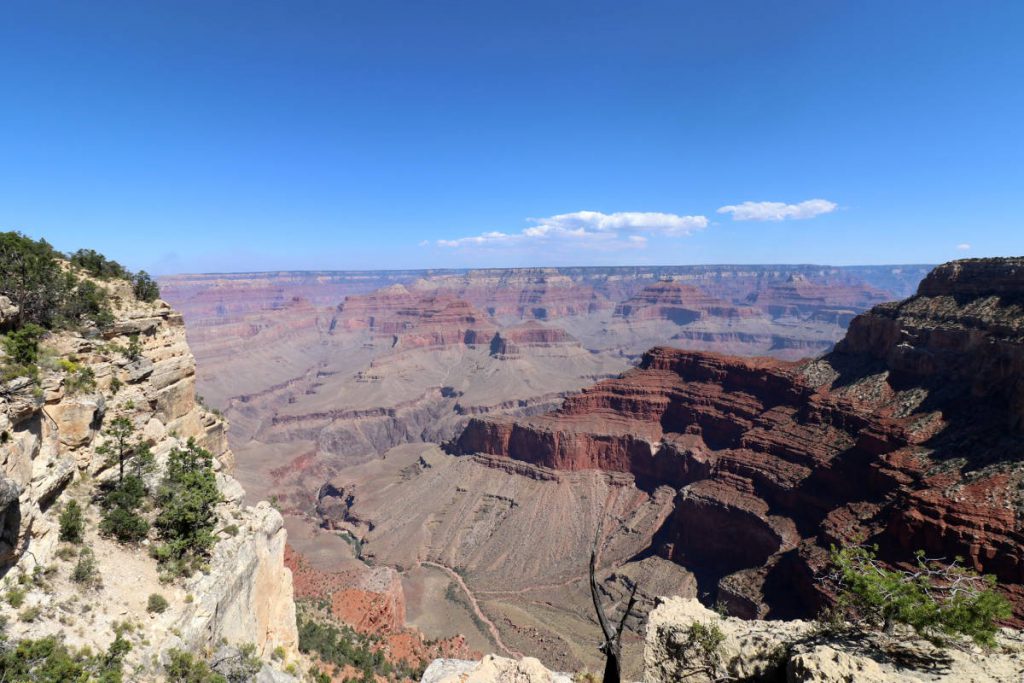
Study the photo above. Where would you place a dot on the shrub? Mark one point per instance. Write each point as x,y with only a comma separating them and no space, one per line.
184,667
134,349
22,345
340,646
126,525
187,497
122,445
934,599
66,552
87,302
80,381
707,637
72,522
86,572
98,265
49,660
144,287
121,503
157,604
31,277
240,666
30,614
15,597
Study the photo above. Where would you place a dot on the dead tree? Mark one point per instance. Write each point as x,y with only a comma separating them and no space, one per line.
612,645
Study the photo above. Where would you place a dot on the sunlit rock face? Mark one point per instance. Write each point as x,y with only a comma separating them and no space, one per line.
907,435
51,452
336,382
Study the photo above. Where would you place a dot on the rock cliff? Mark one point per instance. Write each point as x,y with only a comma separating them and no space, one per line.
413,320
52,431
678,303
685,641
802,652
908,435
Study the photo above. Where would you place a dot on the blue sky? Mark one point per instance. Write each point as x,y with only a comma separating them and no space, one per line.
218,136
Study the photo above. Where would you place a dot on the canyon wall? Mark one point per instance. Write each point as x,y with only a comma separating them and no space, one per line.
322,370
322,389
50,453
907,435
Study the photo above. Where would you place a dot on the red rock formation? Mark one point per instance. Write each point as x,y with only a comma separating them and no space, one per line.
908,435
508,342
371,600
679,303
525,294
415,321
799,297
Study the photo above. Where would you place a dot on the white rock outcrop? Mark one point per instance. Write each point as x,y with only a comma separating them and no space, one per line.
491,669
49,436
797,652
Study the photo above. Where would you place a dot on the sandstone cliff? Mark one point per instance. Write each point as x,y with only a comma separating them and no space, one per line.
908,435
48,452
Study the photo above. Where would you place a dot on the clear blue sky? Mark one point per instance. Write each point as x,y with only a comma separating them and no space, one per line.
194,136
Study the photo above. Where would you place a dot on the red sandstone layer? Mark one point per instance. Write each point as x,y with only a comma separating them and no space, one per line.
679,303
908,435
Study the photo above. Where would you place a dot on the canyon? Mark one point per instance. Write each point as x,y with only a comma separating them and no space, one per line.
906,436
353,379
338,367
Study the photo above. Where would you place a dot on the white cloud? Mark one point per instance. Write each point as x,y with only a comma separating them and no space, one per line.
963,246
778,211
485,239
590,229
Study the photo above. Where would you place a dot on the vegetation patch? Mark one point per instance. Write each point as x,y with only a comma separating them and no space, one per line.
937,600
49,660
338,645
72,522
187,498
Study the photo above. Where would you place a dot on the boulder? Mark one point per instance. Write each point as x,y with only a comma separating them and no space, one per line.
77,418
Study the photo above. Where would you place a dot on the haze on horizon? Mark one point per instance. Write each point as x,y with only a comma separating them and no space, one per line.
218,137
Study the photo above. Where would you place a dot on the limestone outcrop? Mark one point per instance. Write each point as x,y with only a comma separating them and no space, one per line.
491,669
686,641
802,652
51,433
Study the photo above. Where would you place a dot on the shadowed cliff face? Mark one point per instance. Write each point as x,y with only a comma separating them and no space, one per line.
908,435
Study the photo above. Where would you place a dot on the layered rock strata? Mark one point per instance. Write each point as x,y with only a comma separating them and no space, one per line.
49,454
678,303
907,436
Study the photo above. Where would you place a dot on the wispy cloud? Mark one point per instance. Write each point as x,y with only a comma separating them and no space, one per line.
591,229
963,246
778,211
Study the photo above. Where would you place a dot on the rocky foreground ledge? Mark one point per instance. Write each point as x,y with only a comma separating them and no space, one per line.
754,650
52,437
